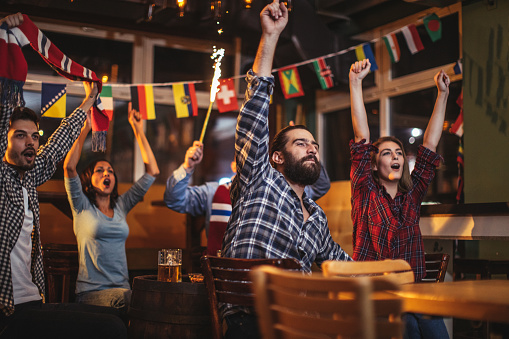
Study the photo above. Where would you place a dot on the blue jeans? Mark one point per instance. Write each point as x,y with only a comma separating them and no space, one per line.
118,298
242,325
419,326
37,320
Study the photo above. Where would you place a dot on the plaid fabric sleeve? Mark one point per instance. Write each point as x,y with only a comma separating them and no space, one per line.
424,170
252,134
360,172
59,143
5,115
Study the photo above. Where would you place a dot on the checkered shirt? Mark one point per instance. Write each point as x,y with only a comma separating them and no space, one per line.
267,219
11,198
386,228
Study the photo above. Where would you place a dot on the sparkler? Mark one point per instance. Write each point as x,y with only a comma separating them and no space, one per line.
217,55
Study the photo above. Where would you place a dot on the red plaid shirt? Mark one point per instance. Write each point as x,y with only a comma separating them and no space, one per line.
386,228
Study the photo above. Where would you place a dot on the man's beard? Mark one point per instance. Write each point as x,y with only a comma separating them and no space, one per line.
300,172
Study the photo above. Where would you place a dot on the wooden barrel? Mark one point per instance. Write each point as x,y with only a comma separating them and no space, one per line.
168,310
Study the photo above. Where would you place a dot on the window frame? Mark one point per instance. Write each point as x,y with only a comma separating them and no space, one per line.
385,86
142,65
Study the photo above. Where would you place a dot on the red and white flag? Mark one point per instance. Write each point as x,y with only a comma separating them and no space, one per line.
412,38
226,98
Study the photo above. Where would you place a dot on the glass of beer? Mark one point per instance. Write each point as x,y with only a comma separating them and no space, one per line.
169,265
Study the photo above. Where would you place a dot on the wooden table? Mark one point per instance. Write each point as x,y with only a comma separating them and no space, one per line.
473,299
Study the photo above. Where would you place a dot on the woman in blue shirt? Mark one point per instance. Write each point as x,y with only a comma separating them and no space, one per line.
99,218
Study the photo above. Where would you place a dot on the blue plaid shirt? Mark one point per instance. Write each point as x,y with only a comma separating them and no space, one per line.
267,219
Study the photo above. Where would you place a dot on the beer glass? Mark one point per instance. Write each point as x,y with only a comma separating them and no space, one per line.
169,265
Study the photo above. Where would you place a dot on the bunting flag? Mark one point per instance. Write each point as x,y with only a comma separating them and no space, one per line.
323,73
433,26
391,42
457,127
53,100
412,38
186,104
107,100
290,82
142,98
226,98
461,178
364,52
458,67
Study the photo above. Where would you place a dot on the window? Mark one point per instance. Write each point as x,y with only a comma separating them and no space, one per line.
338,136
400,101
172,64
104,57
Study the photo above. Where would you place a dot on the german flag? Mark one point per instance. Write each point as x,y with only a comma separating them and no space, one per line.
142,98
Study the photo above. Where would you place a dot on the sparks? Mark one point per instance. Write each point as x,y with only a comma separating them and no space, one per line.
217,56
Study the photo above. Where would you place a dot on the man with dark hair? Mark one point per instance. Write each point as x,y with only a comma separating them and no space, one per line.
26,166
213,199
272,216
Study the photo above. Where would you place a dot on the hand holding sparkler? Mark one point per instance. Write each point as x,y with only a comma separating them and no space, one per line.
217,56
193,157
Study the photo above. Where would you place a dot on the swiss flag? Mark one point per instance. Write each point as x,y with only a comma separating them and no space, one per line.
226,98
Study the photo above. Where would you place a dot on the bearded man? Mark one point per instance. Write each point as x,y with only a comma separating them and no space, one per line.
272,216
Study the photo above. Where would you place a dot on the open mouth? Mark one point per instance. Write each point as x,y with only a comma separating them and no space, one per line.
395,166
107,183
29,155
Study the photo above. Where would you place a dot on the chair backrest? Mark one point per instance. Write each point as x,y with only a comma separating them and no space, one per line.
61,265
228,281
436,267
293,305
398,270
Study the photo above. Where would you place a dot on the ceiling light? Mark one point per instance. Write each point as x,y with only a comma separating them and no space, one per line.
181,5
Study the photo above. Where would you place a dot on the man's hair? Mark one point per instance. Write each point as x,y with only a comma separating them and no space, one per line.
281,139
405,183
24,113
88,188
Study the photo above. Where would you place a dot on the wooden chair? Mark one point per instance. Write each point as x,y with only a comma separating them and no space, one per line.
436,267
60,263
228,281
397,270
293,305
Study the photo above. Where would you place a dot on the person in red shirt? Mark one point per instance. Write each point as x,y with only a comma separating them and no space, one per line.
386,198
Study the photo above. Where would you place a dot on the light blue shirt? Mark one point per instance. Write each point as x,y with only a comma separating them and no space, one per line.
197,200
101,239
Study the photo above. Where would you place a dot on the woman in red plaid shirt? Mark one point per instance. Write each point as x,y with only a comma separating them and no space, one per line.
386,198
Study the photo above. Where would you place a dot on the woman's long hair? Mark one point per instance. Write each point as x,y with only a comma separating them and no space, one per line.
405,183
88,188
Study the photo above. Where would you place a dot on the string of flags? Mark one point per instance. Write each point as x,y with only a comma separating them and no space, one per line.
186,104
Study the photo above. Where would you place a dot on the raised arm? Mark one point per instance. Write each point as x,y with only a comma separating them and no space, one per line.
146,151
273,18
91,91
73,156
358,71
194,156
436,122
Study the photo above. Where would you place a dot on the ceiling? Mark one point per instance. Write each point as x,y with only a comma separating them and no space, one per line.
316,27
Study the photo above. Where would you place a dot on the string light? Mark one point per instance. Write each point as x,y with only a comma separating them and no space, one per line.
181,5
215,7
248,3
